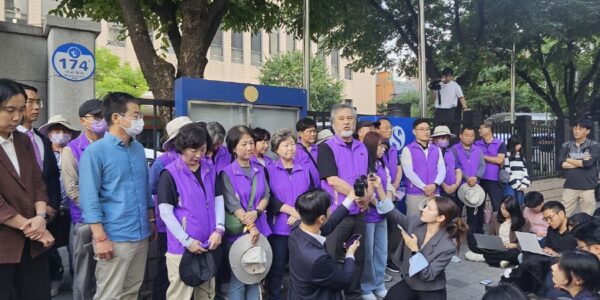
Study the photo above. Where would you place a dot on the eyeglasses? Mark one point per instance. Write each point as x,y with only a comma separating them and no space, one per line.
36,101
133,118
549,218
583,248
423,129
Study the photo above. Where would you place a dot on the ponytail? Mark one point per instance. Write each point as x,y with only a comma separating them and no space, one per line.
453,224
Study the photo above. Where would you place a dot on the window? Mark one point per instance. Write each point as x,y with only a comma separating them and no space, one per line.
274,43
16,11
237,47
114,35
320,51
290,43
216,46
256,49
347,73
335,64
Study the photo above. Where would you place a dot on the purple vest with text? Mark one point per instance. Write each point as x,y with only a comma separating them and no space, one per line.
286,187
165,159
242,186
351,163
371,214
468,161
196,205
424,166
77,146
492,171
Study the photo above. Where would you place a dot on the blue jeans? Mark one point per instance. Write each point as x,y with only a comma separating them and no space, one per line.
279,245
241,291
519,196
375,245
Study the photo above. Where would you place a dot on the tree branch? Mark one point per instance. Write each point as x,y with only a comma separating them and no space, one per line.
585,81
457,26
482,21
540,91
390,18
167,14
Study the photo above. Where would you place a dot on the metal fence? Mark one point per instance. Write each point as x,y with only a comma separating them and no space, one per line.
156,115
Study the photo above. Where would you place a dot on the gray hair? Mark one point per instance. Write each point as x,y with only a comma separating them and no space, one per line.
216,132
339,106
279,136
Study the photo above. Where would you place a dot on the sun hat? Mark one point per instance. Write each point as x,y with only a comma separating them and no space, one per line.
471,196
196,269
250,263
58,120
173,128
442,130
323,136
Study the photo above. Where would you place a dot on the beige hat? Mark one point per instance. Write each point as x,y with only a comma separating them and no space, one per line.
323,136
471,196
173,128
441,131
250,263
58,120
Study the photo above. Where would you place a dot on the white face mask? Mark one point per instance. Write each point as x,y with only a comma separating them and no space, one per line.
60,138
136,127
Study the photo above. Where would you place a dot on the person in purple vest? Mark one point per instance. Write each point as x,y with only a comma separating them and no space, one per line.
424,168
246,194
342,160
288,179
84,264
161,281
262,138
191,207
306,150
218,154
494,152
375,240
441,137
364,127
470,161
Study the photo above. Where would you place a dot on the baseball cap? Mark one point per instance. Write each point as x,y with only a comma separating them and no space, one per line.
92,107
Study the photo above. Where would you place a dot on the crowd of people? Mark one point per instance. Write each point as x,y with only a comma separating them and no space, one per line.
325,218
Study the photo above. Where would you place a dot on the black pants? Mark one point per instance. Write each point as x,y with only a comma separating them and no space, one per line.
493,257
475,218
350,225
448,117
494,190
279,245
29,279
161,281
401,291
223,276
394,236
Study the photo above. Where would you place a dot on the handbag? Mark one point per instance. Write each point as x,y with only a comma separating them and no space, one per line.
233,225
488,211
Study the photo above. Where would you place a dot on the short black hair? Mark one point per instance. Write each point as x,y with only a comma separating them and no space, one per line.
487,124
447,71
578,218
584,265
260,134
419,121
116,103
29,87
555,206
234,135
533,199
504,291
584,123
466,127
312,204
192,135
305,123
588,231
9,89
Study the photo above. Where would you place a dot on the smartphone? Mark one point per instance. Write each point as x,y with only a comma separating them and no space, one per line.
401,228
486,282
350,241
371,176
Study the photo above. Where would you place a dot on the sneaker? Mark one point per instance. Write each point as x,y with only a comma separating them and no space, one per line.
55,288
369,296
474,256
382,293
455,259
504,264
392,268
387,278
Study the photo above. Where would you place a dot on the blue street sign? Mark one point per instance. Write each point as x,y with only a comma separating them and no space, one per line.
402,133
73,62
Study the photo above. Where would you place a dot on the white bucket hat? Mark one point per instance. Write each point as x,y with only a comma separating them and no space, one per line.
173,128
59,120
441,131
250,263
471,196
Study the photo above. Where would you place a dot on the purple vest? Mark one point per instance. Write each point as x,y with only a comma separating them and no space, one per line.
196,205
221,159
492,171
371,215
450,178
167,158
242,186
467,161
304,158
351,163
391,161
268,161
77,146
424,166
286,187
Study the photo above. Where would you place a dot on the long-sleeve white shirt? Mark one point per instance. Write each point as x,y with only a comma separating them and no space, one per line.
407,166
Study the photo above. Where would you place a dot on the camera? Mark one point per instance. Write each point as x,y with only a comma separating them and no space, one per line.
435,85
360,186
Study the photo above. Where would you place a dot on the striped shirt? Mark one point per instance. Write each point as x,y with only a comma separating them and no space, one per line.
519,178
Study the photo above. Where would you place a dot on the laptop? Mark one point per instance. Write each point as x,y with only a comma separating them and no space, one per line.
489,242
529,243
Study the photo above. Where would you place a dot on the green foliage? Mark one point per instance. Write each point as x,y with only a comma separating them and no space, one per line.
114,76
287,70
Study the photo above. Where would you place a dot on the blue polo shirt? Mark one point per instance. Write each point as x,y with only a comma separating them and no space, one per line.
114,191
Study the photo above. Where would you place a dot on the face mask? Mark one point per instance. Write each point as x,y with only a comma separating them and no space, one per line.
60,138
99,127
443,143
136,127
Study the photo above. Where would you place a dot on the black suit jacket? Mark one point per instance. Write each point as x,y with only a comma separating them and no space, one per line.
50,172
313,273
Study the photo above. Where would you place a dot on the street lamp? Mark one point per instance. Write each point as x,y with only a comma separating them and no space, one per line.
307,51
422,60
513,80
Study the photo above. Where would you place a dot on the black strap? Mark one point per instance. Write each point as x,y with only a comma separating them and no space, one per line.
309,155
439,97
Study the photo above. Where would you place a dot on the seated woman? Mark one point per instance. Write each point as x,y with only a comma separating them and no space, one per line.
578,273
505,224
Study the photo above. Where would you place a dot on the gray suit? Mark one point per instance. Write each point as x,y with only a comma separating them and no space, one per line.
438,252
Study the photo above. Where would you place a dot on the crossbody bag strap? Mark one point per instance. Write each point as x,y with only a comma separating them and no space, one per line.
252,194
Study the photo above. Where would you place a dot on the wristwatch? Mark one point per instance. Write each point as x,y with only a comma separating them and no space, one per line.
43,215
259,212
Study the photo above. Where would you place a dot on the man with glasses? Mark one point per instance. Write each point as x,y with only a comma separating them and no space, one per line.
83,264
115,200
46,160
558,238
423,166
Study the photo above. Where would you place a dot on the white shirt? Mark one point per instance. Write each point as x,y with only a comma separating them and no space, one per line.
407,166
504,231
37,138
450,93
9,147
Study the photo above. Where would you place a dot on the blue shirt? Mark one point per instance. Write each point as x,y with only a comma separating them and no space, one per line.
114,191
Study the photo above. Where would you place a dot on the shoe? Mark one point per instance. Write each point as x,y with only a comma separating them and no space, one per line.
382,293
392,268
55,288
368,297
504,264
507,273
474,256
455,259
387,278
